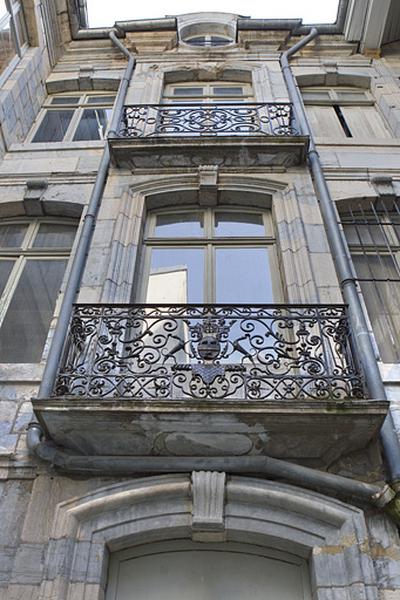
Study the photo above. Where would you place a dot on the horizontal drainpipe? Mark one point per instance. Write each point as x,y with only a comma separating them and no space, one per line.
382,497
339,250
82,250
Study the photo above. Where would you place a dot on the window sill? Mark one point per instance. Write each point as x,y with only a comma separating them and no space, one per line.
48,146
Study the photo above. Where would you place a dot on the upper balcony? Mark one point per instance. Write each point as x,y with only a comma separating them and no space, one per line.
210,380
227,134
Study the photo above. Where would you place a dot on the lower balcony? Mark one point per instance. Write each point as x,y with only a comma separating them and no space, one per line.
207,380
227,135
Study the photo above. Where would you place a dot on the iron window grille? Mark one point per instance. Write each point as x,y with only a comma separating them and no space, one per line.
372,230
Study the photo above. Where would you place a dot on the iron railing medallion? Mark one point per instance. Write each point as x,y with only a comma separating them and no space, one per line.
209,352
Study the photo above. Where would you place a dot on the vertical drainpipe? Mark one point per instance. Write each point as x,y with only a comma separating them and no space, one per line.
83,246
339,250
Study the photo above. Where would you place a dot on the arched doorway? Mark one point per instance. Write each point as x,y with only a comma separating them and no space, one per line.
201,571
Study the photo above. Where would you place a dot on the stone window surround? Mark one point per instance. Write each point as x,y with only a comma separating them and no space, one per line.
296,240
207,506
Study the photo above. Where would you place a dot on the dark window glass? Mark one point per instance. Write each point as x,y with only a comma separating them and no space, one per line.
55,236
54,126
100,100
189,91
12,236
66,100
93,124
228,91
27,321
5,271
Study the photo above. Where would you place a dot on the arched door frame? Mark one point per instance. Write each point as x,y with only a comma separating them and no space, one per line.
330,534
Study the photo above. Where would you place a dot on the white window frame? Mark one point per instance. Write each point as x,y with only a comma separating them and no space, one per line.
26,251
208,95
78,109
209,242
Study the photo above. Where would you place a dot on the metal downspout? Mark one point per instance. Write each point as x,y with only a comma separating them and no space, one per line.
382,497
338,246
82,250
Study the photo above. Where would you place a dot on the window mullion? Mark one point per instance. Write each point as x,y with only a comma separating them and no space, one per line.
210,275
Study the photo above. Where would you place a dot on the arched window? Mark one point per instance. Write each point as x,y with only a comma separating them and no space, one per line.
343,112
73,117
33,258
210,255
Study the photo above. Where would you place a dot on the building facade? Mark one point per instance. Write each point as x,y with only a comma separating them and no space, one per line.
200,306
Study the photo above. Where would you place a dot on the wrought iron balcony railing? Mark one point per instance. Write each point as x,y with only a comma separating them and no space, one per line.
262,118
209,352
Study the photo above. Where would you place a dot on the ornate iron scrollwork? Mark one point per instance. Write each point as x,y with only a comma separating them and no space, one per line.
261,352
263,118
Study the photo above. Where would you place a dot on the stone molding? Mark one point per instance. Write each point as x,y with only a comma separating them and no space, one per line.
330,533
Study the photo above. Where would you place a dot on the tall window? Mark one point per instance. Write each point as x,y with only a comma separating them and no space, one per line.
33,257
74,117
210,255
13,36
372,230
343,112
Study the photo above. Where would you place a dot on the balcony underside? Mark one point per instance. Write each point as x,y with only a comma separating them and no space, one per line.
313,432
194,150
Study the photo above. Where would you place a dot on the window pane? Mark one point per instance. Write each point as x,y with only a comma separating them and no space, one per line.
351,95
5,270
66,100
366,232
228,91
382,299
11,236
93,124
233,225
243,275
197,41
24,330
176,275
100,100
54,126
316,95
180,225
188,91
7,50
218,41
51,235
